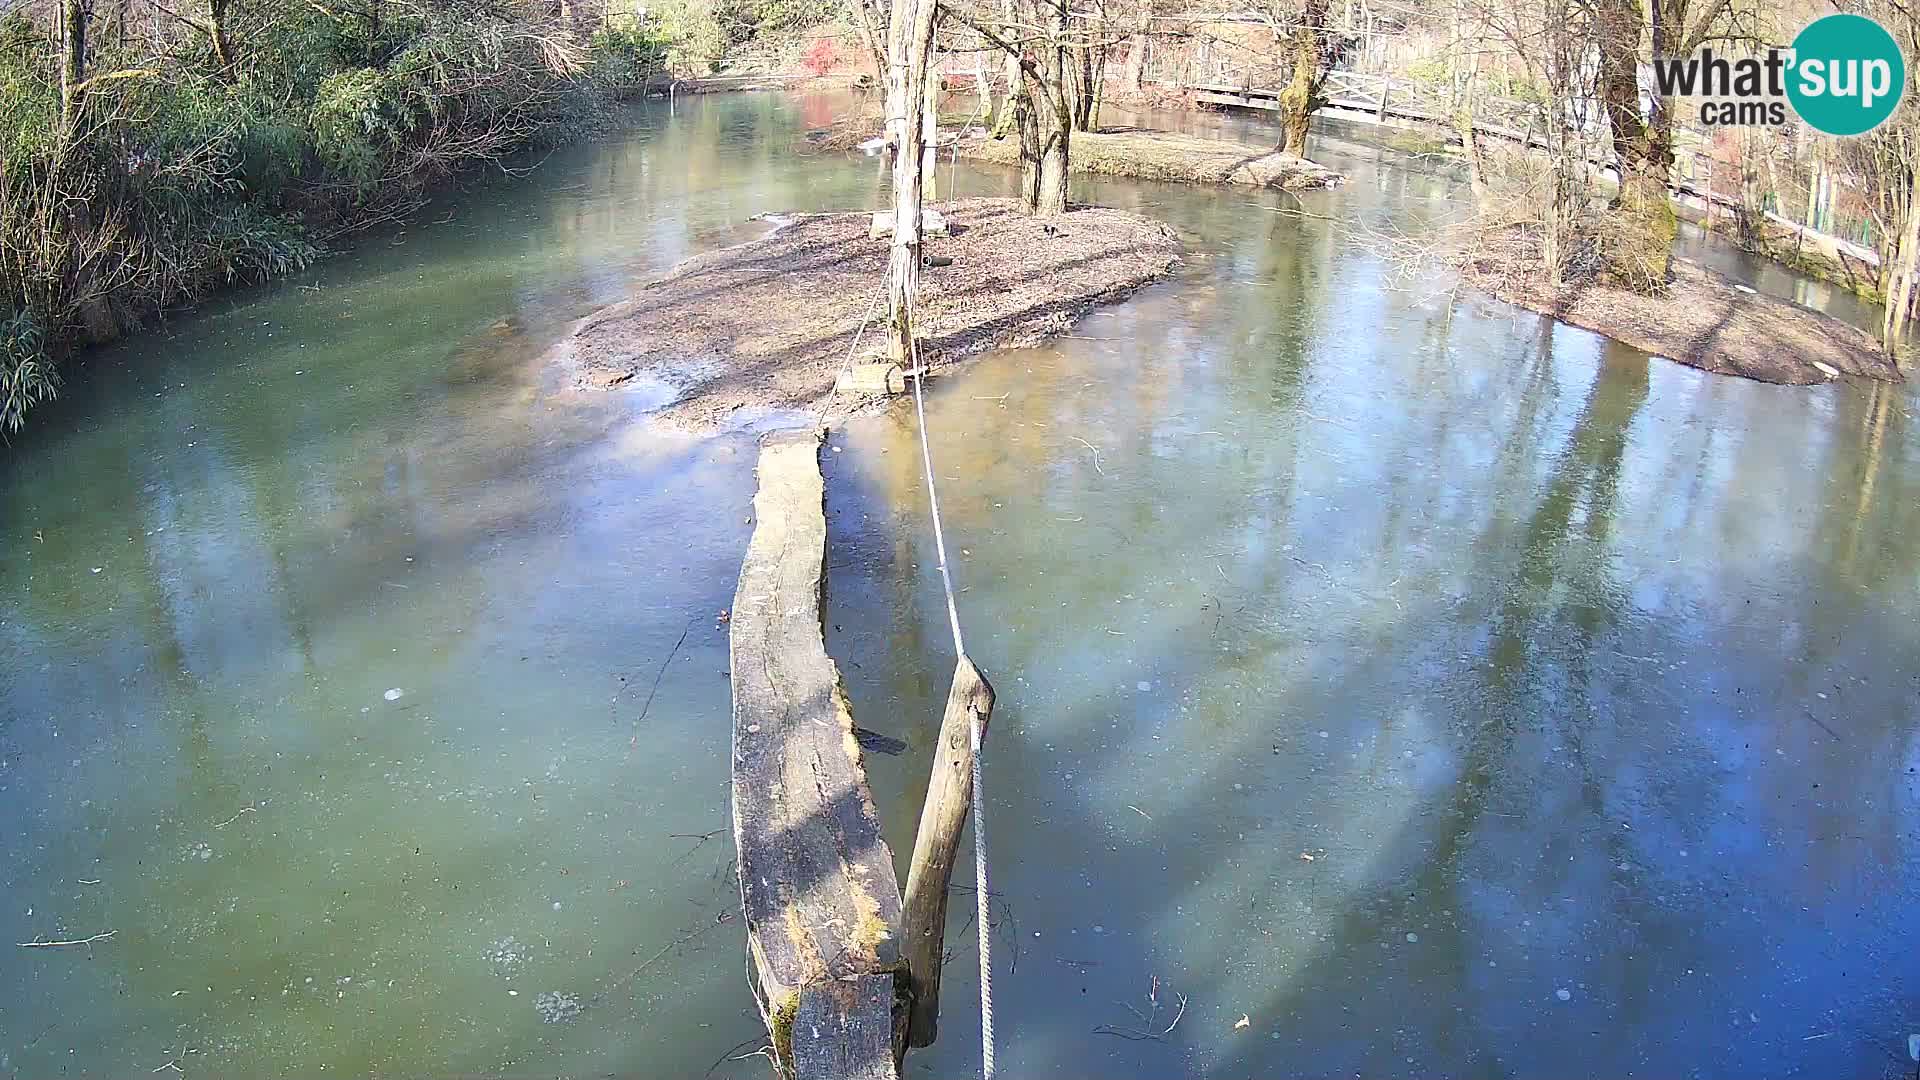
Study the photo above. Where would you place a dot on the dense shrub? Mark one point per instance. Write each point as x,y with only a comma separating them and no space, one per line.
703,34
626,54
172,173
26,377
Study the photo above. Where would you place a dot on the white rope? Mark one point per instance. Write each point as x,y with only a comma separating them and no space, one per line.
980,896
981,884
933,501
872,306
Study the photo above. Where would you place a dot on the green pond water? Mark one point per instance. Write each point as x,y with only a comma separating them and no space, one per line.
1410,685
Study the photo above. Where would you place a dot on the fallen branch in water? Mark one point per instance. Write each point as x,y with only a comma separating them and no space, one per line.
662,673
1150,1029
697,838
59,944
733,1053
1096,453
684,939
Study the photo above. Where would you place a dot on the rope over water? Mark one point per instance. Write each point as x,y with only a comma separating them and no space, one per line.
979,808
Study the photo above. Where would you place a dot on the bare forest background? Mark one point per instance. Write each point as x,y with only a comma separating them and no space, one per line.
154,150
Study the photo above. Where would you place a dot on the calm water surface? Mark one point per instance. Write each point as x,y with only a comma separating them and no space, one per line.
1410,685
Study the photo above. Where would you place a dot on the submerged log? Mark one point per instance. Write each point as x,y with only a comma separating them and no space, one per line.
817,882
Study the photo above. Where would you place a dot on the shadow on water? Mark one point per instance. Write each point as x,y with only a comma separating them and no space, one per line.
1475,736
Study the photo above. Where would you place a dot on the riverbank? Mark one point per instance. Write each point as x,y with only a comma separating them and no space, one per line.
172,176
1136,153
1702,319
1815,255
730,337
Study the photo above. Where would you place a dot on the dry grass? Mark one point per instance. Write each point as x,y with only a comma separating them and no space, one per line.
731,336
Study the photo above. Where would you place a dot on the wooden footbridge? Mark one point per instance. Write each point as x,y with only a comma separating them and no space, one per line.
845,963
1382,99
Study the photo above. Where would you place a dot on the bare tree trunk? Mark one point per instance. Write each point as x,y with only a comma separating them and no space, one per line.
1750,212
1562,209
1476,161
217,32
1644,252
1134,76
1469,133
1042,101
1900,293
1026,114
1048,130
1045,133
1813,194
1086,69
1009,119
1298,99
1050,183
863,25
909,48
73,16
1010,108
990,99
1082,88
930,132
116,22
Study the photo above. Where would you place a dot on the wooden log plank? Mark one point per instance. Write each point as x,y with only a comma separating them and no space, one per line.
817,883
949,797
844,1029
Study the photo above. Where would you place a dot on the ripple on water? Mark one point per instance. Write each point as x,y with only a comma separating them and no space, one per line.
506,957
556,1007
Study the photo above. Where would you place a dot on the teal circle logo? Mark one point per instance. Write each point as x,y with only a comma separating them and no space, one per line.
1847,75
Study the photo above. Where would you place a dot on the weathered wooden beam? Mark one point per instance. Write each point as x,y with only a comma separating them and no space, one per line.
883,379
817,883
949,797
844,1030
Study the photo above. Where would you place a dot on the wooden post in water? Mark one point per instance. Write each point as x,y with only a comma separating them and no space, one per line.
949,797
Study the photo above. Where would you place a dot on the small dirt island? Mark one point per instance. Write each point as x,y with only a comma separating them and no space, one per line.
735,335
1137,153
1164,155
1701,318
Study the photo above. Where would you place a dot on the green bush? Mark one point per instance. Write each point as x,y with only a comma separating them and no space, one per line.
1430,71
27,378
773,16
694,33
701,34
625,54
178,175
